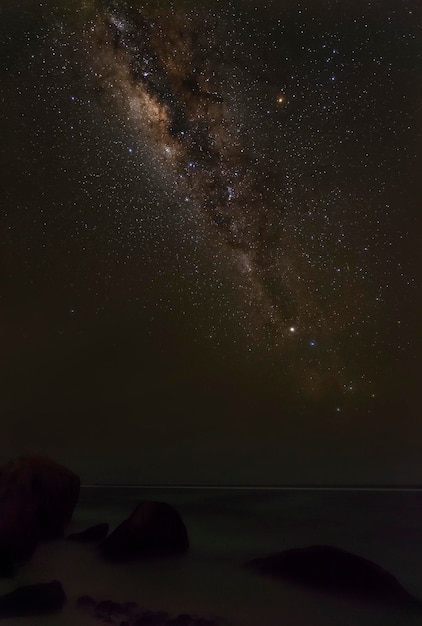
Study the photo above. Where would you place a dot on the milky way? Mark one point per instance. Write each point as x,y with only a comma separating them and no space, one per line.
224,127
180,89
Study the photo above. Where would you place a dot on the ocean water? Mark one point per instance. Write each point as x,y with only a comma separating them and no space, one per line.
226,528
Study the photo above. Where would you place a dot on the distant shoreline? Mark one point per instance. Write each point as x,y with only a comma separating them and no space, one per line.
251,487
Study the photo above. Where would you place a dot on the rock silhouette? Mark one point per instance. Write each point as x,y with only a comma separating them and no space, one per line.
335,570
153,529
131,614
33,600
37,499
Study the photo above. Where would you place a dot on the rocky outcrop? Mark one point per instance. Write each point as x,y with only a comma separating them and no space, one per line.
94,533
37,499
153,529
335,570
131,614
33,600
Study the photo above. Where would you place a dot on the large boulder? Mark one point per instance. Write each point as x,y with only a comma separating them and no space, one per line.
335,570
153,529
33,600
37,499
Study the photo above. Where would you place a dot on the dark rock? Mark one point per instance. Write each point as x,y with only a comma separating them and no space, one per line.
108,608
94,533
7,568
86,603
131,614
182,620
153,529
335,570
33,600
37,498
189,620
151,618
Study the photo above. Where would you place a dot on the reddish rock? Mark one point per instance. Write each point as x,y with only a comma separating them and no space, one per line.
37,499
335,570
33,600
153,529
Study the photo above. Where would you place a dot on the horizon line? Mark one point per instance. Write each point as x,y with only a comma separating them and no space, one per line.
409,488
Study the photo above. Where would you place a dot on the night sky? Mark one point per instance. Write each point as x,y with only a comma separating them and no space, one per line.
210,254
